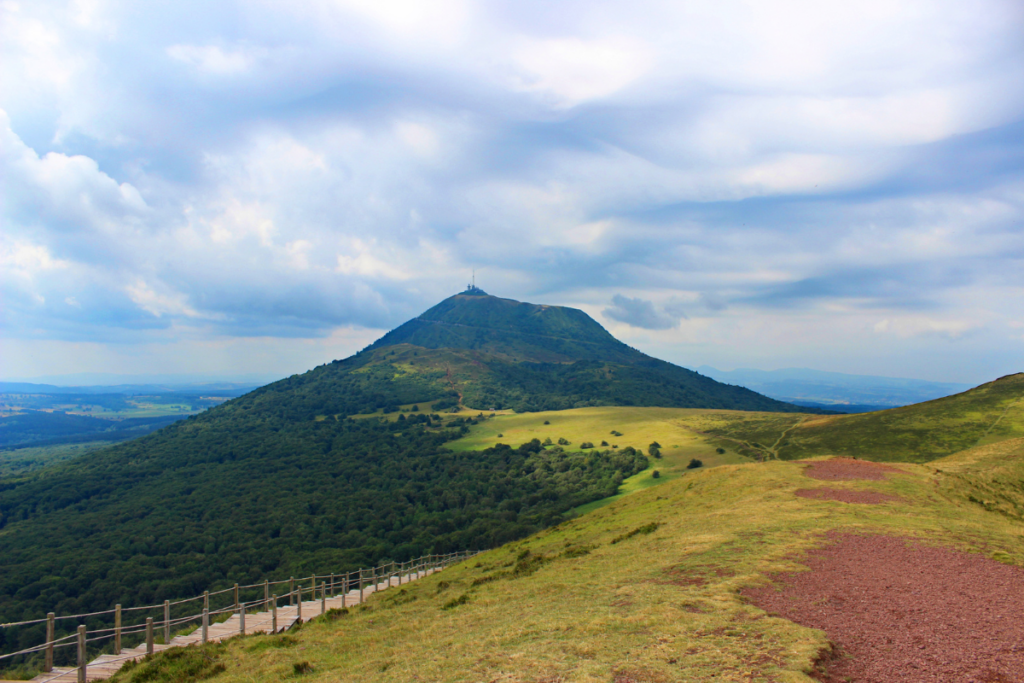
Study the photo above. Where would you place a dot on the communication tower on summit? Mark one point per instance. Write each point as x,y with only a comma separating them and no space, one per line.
472,289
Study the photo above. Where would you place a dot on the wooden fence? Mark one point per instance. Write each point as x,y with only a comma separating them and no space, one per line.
112,630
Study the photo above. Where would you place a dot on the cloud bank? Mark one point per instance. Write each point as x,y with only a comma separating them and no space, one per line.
733,184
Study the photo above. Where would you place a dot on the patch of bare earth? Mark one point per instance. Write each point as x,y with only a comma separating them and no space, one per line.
901,612
847,496
848,469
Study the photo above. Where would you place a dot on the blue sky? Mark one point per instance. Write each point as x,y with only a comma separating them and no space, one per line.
260,187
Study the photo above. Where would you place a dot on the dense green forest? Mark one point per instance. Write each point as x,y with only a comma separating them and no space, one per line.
228,498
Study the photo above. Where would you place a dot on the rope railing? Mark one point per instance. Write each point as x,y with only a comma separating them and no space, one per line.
319,588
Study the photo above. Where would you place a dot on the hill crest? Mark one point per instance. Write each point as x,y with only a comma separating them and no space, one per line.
511,329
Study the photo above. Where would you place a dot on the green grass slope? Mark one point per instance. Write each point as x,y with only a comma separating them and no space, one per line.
645,589
990,413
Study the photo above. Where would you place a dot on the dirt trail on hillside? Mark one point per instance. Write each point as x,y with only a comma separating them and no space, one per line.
848,469
902,612
451,382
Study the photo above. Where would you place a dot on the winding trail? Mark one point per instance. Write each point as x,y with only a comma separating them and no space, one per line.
774,447
998,420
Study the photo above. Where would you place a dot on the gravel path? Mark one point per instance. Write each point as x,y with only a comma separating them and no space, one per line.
902,612
847,469
847,496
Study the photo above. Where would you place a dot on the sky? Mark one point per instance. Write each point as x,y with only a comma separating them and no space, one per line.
255,188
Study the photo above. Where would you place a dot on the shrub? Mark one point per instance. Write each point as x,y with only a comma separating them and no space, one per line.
645,529
615,433
720,451
452,604
563,442
655,474
586,444
547,422
694,464
604,443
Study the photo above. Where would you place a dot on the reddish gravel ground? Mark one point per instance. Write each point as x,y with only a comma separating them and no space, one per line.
847,469
901,612
845,496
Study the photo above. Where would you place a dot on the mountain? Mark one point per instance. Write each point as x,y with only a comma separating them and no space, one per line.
297,475
306,473
486,353
843,391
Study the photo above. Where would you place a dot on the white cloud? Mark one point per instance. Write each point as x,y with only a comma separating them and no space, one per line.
570,71
915,326
214,60
159,303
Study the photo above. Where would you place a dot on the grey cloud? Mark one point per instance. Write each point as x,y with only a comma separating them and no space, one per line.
713,302
641,313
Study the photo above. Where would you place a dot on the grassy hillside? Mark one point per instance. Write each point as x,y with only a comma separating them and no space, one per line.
675,430
645,589
990,413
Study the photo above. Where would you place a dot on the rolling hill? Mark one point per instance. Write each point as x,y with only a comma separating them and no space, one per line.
918,433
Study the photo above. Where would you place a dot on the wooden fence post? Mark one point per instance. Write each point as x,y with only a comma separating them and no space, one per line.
206,625
48,666
291,591
117,630
332,584
273,613
81,655
241,618
167,622
323,598
344,590
236,597
361,594
206,600
266,591
299,602
149,635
